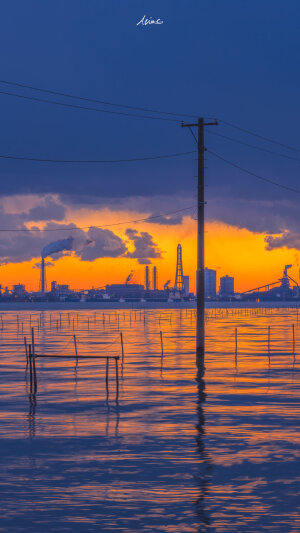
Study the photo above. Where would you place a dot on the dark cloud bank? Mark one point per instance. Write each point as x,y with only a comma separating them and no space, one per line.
89,245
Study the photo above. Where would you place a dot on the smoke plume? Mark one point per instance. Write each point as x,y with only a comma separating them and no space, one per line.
57,246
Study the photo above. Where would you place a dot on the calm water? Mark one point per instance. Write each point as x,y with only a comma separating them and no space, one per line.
172,454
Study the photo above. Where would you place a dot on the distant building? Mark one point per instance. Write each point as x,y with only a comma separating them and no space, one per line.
226,286
60,291
127,290
186,284
210,283
19,291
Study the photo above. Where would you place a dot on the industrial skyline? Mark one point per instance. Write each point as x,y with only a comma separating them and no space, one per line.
216,288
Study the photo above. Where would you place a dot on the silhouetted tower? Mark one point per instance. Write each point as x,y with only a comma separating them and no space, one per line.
179,283
43,283
154,278
147,281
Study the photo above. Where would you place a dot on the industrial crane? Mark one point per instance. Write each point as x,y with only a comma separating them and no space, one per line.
129,277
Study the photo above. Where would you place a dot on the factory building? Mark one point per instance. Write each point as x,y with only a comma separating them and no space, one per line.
226,287
19,291
60,291
186,284
125,290
210,283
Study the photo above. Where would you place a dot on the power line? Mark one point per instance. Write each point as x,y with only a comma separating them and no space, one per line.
259,136
253,146
75,106
144,109
286,187
100,227
41,160
93,100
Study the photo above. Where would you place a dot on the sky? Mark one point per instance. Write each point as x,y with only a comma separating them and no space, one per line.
234,61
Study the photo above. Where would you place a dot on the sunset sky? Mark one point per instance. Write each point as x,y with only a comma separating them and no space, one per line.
228,60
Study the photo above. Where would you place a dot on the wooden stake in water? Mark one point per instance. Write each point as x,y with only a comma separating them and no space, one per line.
117,378
26,351
236,342
75,345
32,342
30,365
293,339
34,375
161,344
269,338
106,377
122,346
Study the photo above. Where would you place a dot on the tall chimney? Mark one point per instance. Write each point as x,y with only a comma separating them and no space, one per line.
154,278
147,281
43,276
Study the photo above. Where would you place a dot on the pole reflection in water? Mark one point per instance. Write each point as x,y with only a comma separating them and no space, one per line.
31,415
205,467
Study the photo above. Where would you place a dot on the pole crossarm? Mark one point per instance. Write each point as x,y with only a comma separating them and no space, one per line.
184,125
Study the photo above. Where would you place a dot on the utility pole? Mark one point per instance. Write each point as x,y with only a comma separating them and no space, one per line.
200,332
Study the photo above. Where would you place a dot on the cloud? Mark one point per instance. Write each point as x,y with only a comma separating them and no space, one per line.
170,220
47,264
144,247
22,245
287,240
278,220
102,243
48,210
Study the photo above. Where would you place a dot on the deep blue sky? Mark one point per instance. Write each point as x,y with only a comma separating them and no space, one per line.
230,59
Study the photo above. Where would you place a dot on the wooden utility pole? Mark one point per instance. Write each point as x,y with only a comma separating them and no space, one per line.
200,333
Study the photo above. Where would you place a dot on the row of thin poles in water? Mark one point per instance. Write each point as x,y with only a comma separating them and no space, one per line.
115,318
268,339
32,356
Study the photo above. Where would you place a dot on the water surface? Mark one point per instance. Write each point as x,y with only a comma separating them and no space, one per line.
172,454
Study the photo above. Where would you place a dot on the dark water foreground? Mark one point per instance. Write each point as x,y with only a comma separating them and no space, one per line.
172,455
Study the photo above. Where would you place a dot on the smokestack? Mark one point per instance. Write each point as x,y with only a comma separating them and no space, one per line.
43,276
52,248
154,278
147,282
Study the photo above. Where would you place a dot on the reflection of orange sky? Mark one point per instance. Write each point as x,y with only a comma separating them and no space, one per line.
229,250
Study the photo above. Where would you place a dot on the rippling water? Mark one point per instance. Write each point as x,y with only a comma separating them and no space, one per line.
171,454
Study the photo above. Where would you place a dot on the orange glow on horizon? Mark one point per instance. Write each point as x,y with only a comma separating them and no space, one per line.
229,250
